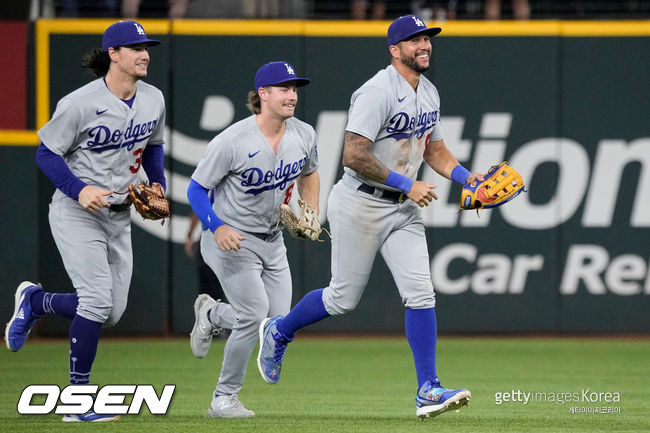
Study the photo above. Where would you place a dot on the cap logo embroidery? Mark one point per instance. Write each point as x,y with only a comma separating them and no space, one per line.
139,29
418,22
289,69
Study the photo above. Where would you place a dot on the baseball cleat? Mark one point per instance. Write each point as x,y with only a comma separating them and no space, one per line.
21,322
228,406
272,347
90,416
432,399
203,330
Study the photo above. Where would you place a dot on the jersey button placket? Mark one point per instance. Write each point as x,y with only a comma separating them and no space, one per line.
276,191
409,162
124,153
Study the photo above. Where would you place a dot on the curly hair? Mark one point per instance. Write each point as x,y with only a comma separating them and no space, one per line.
98,61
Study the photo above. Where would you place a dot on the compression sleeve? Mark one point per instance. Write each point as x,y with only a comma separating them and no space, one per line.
153,163
200,202
55,168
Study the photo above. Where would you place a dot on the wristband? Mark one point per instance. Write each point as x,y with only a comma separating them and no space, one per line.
460,174
400,182
214,222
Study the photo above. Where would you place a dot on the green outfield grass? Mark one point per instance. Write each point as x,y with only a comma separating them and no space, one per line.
355,385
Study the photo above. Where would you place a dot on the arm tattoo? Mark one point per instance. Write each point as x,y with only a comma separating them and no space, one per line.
357,156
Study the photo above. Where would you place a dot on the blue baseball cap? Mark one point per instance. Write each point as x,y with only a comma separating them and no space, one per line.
277,73
409,25
126,33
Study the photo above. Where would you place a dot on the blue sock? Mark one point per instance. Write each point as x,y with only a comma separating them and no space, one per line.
63,304
421,334
309,310
84,337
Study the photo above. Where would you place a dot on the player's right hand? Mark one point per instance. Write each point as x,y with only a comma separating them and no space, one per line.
422,193
189,247
227,239
92,198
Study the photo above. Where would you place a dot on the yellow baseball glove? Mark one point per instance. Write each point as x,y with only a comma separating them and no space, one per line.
502,183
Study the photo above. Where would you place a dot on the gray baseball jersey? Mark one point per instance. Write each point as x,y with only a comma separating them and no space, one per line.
251,182
400,122
101,139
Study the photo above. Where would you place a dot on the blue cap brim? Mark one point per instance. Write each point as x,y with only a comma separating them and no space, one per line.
431,32
149,42
300,82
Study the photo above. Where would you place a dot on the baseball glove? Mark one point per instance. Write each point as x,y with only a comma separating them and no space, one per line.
150,201
501,184
305,227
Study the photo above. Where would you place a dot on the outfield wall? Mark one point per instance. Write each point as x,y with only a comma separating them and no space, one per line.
565,102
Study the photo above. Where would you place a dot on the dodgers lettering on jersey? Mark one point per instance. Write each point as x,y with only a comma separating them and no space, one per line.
249,179
401,125
399,121
272,179
101,138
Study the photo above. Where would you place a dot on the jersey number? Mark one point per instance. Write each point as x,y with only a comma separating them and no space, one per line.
138,161
287,196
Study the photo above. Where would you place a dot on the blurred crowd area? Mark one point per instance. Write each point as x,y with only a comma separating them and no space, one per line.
334,9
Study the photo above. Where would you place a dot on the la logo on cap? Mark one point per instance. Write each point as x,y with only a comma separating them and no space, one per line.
289,69
418,21
139,29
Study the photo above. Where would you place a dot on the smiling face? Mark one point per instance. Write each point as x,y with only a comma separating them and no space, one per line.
415,52
131,60
280,100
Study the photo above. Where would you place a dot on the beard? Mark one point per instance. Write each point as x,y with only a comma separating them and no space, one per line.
412,63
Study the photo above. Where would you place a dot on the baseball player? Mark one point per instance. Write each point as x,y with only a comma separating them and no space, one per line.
393,124
252,166
93,147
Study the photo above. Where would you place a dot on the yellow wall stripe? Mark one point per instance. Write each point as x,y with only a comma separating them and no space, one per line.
42,73
379,28
356,28
238,27
605,28
97,26
18,137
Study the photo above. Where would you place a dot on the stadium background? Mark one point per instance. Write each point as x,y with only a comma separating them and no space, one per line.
566,102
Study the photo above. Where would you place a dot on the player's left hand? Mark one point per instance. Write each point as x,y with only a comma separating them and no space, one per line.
227,239
498,186
474,177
